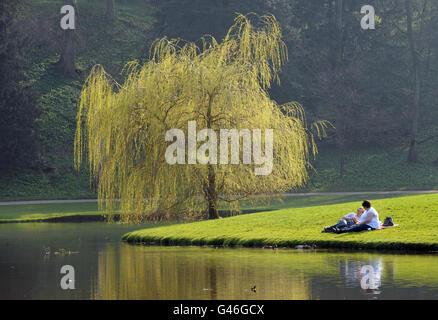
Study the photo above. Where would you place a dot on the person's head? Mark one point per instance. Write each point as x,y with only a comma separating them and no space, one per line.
360,211
366,204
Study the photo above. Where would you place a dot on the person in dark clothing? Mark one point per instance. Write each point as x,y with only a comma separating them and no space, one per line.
346,221
369,220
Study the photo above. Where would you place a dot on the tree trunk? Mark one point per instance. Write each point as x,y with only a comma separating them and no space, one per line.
340,135
67,59
211,187
68,55
342,159
413,154
340,130
340,30
211,194
110,11
339,14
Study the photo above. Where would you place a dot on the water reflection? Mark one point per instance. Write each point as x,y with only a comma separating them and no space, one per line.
366,274
31,256
137,272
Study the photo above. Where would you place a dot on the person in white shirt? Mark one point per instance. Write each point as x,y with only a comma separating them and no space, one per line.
368,221
346,221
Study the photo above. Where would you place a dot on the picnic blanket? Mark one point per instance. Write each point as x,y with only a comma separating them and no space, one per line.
386,227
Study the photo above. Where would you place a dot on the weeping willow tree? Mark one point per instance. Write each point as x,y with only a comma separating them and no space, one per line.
121,129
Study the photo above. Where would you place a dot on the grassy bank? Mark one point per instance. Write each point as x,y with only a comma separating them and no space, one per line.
88,211
53,212
294,225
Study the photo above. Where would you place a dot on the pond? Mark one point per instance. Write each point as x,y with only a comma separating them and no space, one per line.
32,254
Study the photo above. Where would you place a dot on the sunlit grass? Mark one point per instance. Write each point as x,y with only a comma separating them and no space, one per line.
416,216
21,213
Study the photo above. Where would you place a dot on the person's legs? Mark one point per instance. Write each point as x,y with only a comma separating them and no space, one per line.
355,228
340,225
350,223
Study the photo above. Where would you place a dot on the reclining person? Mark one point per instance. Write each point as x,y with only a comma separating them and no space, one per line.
346,221
368,221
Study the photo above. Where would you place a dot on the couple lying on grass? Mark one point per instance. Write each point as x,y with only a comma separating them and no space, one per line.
366,218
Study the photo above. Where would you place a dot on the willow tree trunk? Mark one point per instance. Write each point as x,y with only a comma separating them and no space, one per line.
213,212
67,59
415,112
110,11
211,190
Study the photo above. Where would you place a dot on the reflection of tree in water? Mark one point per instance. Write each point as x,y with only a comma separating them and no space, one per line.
389,270
213,282
136,272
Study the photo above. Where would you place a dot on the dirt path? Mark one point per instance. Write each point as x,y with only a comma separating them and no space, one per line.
31,202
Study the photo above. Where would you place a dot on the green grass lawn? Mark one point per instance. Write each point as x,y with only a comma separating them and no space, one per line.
48,212
291,221
292,225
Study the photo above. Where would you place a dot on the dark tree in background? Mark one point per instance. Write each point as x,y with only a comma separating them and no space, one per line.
378,87
110,11
191,19
331,67
18,110
413,153
371,84
414,25
66,62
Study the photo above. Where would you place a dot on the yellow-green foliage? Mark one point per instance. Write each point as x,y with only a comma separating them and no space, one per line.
220,86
